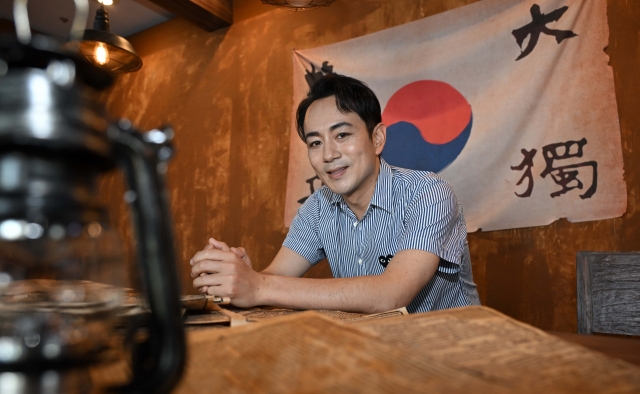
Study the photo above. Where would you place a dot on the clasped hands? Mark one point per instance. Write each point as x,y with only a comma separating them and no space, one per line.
225,272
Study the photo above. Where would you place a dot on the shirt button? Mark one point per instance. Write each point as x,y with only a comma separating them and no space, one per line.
360,261
355,224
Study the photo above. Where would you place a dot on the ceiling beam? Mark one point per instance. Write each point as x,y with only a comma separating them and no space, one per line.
209,15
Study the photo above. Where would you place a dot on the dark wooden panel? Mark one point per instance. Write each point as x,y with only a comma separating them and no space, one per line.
209,15
585,310
609,293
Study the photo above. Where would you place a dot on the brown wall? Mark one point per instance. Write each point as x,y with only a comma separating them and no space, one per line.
228,96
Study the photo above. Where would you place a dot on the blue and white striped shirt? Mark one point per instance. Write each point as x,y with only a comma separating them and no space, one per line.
409,210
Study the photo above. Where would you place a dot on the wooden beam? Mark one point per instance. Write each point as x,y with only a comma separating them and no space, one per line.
221,8
209,15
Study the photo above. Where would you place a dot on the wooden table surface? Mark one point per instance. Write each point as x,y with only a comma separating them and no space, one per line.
473,349
624,348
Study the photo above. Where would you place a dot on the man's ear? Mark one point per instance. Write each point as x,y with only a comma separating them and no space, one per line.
379,137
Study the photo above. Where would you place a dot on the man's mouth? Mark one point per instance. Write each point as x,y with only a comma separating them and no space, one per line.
337,172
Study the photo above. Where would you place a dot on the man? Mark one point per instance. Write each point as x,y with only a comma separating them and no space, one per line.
393,237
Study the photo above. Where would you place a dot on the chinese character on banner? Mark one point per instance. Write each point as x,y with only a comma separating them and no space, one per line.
312,76
528,163
565,176
539,26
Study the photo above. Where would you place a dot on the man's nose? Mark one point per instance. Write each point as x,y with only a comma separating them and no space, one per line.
330,151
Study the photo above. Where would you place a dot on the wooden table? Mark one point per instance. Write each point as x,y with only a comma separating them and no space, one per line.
473,349
624,348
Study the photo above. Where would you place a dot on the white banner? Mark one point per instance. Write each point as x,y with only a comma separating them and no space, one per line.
510,101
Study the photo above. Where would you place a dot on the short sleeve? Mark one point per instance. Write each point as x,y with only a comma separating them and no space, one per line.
433,222
303,237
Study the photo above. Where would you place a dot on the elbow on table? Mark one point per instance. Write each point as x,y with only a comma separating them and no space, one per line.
389,304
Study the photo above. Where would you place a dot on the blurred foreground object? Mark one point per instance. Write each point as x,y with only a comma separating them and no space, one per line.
61,264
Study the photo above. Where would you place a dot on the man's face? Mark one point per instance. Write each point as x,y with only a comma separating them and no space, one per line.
340,150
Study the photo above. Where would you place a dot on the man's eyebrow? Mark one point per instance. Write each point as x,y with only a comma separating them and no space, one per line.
331,128
338,125
311,134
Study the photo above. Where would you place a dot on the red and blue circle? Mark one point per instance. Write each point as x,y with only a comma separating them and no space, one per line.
428,126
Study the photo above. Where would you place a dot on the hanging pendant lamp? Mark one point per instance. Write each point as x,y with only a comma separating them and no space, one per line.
298,5
105,49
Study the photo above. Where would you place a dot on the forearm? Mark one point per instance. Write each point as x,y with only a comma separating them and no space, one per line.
227,274
368,294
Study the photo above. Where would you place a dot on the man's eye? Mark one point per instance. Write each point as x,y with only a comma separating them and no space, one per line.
342,135
313,144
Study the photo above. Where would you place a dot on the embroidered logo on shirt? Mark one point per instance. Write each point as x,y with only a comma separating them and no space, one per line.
384,260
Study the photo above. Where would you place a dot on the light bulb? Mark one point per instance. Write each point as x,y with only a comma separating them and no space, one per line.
101,54
106,2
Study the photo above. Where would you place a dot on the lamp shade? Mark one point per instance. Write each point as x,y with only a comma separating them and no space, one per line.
105,49
120,57
298,5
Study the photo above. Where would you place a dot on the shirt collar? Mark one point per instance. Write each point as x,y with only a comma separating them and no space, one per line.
382,195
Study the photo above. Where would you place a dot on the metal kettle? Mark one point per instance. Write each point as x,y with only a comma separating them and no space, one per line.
61,264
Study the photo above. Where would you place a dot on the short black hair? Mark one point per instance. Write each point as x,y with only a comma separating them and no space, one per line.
351,96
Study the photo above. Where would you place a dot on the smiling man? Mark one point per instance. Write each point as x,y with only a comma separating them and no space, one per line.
393,237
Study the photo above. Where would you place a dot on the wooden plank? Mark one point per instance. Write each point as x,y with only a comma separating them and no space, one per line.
209,15
221,8
616,293
585,310
613,292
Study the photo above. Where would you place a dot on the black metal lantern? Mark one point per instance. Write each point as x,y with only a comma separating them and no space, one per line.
62,291
105,49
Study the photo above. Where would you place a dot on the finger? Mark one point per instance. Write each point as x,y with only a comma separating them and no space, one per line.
202,283
212,254
208,267
218,244
203,268
245,256
210,280
240,252
223,290
207,247
217,291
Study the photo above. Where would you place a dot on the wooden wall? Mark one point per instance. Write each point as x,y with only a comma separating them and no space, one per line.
228,96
